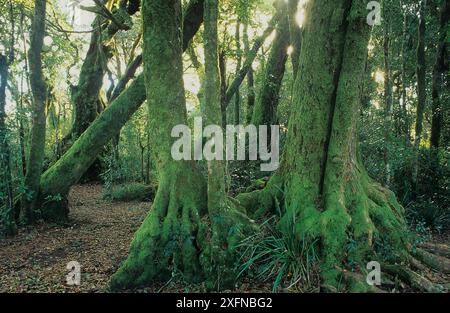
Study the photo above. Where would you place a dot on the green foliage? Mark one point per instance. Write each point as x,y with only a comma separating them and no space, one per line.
281,258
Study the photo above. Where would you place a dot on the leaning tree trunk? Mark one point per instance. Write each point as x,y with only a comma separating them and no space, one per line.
67,171
39,91
166,240
328,194
86,98
265,111
440,69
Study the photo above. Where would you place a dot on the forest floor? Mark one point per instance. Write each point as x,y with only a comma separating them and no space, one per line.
98,238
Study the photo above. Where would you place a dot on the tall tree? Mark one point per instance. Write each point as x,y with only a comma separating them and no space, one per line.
39,90
216,193
250,78
388,97
328,194
440,69
265,111
7,218
166,239
295,34
421,93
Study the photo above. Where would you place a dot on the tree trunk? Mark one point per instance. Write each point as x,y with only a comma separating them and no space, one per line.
39,90
265,112
166,240
407,127
249,59
67,171
7,218
237,99
217,262
295,35
440,69
388,98
250,78
421,94
85,96
328,195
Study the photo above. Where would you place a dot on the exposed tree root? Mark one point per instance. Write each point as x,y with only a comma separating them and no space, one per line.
357,283
259,202
439,249
218,243
436,262
412,278
365,216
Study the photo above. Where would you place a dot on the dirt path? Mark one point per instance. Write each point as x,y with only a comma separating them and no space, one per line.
98,237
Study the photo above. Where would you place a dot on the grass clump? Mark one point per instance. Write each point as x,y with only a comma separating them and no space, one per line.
269,255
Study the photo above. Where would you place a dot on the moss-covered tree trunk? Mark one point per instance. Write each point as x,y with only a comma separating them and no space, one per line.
226,222
86,95
67,171
217,197
166,241
328,195
39,91
265,111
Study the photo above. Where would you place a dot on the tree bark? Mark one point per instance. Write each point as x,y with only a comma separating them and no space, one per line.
39,91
